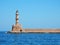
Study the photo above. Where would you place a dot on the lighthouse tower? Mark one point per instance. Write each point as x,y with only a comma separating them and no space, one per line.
17,17
17,27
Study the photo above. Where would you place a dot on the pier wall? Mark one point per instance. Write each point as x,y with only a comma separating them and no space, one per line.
42,30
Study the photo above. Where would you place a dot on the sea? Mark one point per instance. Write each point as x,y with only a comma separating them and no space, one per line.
29,38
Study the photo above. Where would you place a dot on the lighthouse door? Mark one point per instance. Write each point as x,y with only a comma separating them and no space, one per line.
20,30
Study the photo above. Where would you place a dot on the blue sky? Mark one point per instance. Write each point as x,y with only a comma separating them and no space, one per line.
32,13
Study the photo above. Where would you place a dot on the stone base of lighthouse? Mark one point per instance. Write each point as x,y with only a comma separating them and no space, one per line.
17,28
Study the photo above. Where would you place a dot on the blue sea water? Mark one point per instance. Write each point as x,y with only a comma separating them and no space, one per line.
29,39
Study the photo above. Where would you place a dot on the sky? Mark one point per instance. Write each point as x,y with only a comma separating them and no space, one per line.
32,14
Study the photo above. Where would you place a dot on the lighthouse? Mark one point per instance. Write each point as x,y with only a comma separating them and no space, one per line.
17,27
